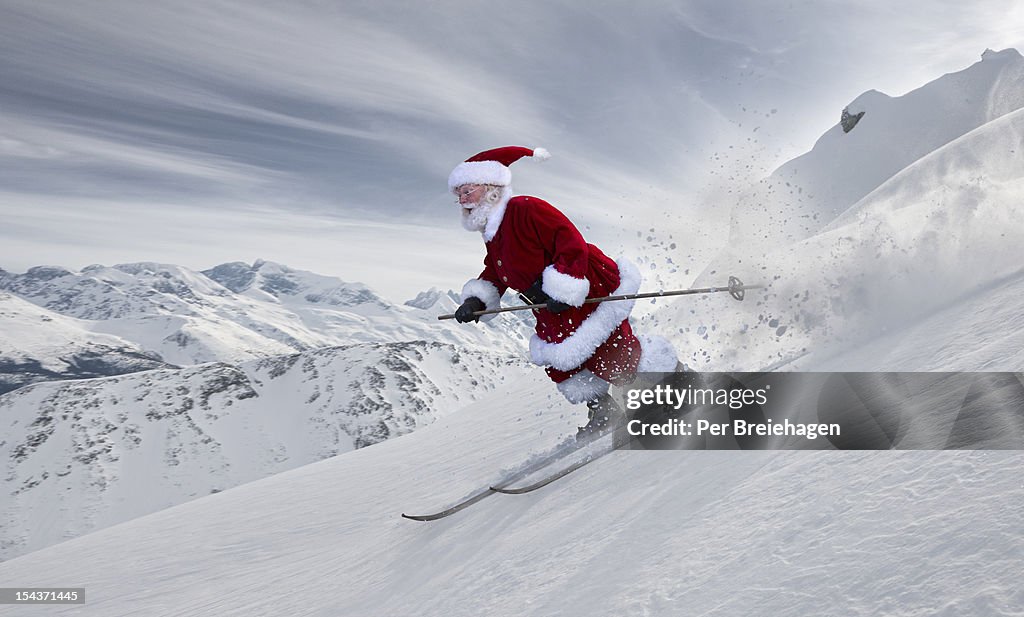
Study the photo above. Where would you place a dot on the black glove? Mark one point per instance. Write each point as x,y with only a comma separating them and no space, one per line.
535,295
464,314
557,307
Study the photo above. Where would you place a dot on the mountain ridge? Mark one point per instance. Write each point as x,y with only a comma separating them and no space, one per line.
85,454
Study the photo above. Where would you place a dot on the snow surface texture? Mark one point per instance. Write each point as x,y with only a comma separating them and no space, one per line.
636,533
940,231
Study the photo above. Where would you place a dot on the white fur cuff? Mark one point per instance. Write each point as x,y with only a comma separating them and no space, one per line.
486,291
565,288
595,329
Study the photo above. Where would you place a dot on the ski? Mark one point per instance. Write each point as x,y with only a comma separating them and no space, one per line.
506,487
617,442
452,510
554,457
621,439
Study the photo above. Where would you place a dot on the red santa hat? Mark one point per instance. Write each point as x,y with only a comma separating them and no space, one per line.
491,166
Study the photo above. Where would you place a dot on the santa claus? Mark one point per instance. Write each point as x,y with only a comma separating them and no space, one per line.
534,249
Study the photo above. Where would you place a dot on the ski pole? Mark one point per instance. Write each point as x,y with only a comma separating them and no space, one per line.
736,289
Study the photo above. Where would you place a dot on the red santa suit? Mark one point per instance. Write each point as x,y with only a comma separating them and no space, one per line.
527,240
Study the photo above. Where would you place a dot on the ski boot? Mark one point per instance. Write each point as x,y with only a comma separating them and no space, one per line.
603,415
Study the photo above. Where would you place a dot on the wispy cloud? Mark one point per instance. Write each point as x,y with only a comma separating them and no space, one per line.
357,111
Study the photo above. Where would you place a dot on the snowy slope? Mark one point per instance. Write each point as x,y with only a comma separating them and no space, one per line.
944,231
809,192
82,455
37,345
980,332
637,533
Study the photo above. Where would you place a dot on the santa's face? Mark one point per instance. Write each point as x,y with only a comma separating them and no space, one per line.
470,194
474,205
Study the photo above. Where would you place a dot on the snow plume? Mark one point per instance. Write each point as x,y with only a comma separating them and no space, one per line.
806,194
932,234
942,227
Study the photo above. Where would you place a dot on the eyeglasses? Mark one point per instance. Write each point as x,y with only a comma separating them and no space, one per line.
466,189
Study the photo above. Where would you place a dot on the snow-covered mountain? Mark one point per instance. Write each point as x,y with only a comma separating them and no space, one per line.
282,368
37,344
82,455
806,194
236,312
931,234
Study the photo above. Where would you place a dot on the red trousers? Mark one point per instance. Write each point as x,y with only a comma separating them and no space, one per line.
615,361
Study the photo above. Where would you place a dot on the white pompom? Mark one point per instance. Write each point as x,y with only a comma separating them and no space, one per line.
541,154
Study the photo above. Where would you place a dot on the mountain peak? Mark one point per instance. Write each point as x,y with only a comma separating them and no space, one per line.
427,299
148,267
47,273
866,100
877,136
264,266
281,281
1006,54
236,275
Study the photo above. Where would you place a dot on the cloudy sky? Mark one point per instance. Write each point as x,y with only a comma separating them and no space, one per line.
320,134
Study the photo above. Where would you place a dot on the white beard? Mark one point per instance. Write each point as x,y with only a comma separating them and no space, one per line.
476,218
